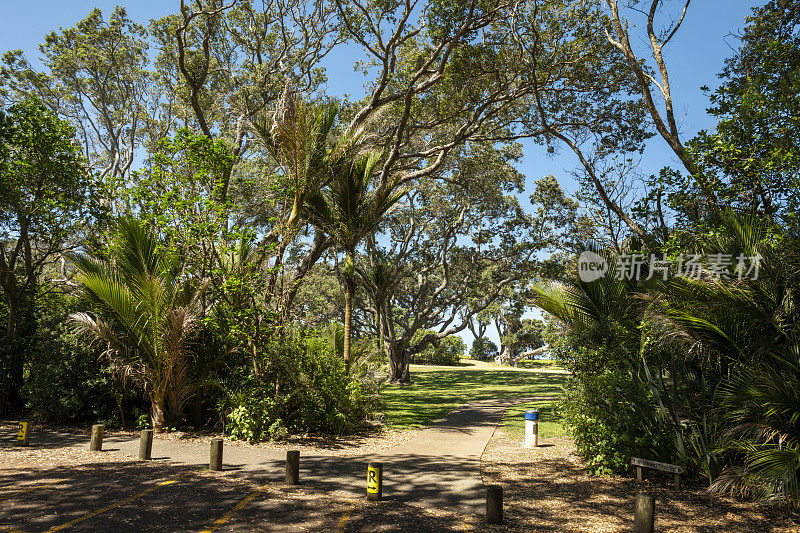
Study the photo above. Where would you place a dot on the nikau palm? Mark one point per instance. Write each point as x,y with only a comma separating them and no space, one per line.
296,135
145,312
348,210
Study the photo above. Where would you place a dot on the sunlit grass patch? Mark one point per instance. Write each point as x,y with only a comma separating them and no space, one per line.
435,391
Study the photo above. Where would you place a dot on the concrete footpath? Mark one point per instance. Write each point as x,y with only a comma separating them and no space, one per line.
439,467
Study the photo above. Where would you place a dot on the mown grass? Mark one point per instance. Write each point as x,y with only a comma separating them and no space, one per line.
436,390
538,363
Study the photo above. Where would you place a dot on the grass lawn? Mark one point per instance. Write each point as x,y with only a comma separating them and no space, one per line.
538,363
436,390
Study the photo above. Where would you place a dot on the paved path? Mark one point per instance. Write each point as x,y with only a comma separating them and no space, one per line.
439,467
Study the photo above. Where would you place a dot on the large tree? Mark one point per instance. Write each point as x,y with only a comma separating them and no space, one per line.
95,76
44,191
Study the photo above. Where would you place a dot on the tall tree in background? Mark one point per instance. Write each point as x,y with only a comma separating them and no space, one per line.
753,155
96,78
349,210
43,192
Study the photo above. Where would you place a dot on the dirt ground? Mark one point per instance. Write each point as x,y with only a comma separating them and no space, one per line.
47,487
547,489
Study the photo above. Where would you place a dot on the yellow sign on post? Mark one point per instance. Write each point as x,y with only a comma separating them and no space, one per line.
374,481
22,434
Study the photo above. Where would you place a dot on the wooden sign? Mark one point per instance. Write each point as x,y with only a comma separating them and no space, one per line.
664,467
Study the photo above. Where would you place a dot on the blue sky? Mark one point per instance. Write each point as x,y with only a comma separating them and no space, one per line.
694,57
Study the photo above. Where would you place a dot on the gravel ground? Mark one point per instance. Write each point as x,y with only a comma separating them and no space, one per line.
377,440
547,489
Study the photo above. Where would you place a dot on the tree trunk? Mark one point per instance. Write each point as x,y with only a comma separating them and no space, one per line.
198,411
399,360
157,407
348,319
349,291
19,328
506,356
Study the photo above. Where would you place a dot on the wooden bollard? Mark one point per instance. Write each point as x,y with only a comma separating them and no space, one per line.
216,454
146,445
374,481
23,433
644,514
96,444
494,504
292,467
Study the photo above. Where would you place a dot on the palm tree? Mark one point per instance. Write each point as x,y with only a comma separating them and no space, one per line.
297,136
750,330
348,210
144,311
381,276
609,312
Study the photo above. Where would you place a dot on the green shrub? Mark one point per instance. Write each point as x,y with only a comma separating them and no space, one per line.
68,381
306,389
611,420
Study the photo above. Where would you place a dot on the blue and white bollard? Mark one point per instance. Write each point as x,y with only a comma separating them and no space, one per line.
531,429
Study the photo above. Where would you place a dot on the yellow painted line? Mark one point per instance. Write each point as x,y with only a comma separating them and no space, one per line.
230,514
18,492
345,517
114,505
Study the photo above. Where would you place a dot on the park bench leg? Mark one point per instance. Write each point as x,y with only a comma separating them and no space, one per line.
639,474
677,482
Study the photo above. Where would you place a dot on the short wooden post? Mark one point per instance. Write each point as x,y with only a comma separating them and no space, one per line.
96,444
374,481
292,467
146,445
494,504
23,433
645,513
216,454
639,476
677,481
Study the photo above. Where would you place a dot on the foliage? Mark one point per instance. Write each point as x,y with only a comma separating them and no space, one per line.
612,418
144,311
78,386
43,193
307,389
753,151
483,349
448,352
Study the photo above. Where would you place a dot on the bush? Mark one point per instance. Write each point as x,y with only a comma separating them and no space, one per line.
611,420
448,352
68,381
306,390
483,349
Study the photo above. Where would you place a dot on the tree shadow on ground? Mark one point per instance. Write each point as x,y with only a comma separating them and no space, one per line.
42,437
156,496
560,496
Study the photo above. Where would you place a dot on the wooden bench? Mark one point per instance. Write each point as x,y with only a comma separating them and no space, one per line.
655,465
